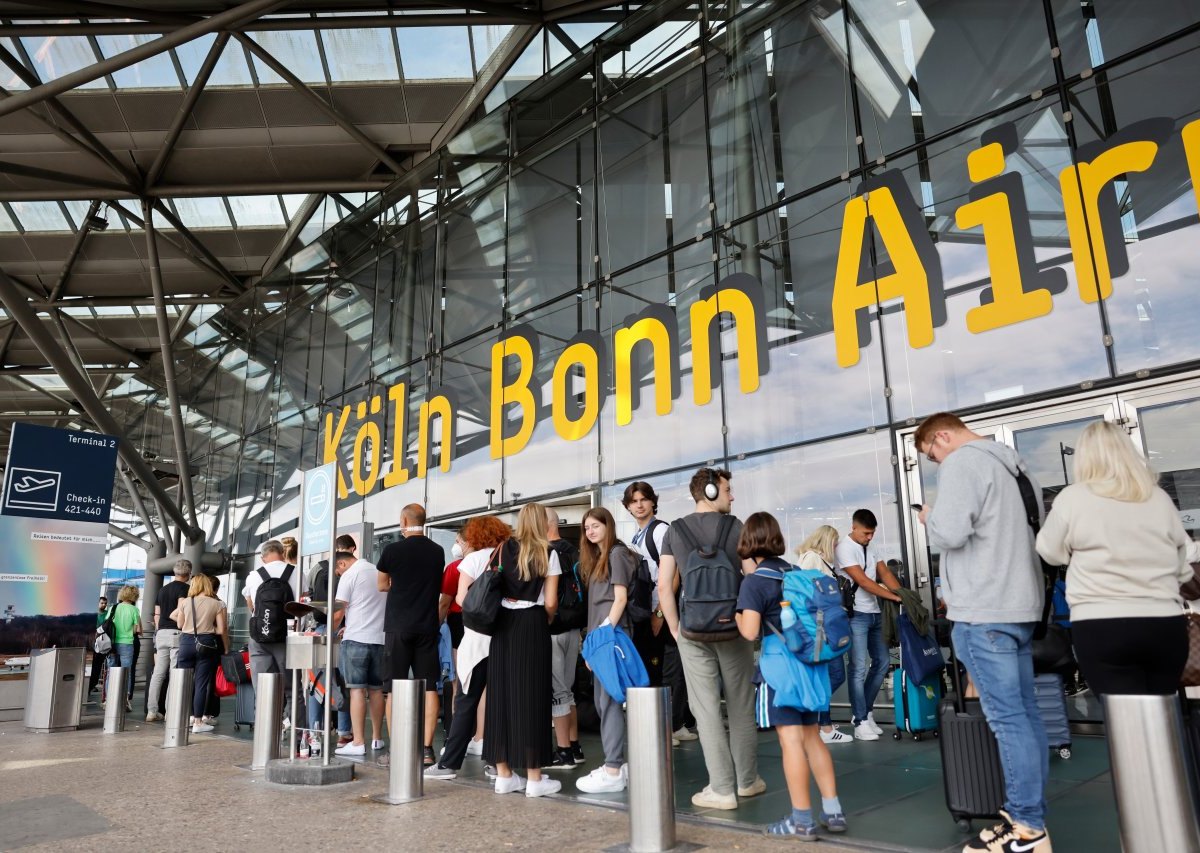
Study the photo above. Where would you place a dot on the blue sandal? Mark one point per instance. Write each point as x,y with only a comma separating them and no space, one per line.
786,826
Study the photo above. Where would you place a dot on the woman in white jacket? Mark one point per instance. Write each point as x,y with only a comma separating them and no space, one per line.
1125,549
818,552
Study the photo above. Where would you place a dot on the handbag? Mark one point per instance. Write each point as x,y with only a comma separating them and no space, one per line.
104,633
798,685
1053,652
1191,670
920,654
209,646
481,606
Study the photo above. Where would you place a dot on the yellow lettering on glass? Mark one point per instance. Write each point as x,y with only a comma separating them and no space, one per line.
519,347
1010,302
654,331
1191,147
1081,187
398,475
909,282
331,440
745,315
585,355
438,407
369,431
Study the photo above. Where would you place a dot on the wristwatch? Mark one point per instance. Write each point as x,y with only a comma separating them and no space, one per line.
659,613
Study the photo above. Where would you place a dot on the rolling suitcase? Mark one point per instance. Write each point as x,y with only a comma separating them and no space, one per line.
1052,705
971,768
916,704
243,707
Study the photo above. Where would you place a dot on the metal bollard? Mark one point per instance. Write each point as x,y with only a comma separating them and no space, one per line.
178,723
268,703
1145,745
651,770
114,706
406,781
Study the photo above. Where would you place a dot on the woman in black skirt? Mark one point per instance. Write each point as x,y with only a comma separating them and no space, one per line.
517,733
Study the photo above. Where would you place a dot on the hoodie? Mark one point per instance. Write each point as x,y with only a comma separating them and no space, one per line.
989,569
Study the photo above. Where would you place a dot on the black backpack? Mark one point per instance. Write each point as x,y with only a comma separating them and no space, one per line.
269,624
572,596
641,590
709,585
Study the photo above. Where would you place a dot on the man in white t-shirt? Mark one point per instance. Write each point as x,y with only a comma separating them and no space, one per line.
362,648
859,560
270,657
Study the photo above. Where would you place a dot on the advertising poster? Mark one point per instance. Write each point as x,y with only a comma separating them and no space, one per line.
54,511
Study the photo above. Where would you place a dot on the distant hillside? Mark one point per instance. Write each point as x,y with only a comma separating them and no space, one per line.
23,633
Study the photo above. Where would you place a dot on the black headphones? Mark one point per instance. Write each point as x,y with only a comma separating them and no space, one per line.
712,489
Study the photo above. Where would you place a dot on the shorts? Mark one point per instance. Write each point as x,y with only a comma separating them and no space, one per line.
768,715
362,665
416,652
455,623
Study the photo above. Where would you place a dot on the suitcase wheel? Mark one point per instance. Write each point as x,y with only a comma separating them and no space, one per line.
935,732
1064,752
963,824
897,735
236,727
916,735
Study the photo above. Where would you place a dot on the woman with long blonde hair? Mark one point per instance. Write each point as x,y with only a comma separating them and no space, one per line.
203,637
517,732
819,552
1125,549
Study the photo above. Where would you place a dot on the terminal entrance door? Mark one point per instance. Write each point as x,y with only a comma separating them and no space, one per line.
1162,421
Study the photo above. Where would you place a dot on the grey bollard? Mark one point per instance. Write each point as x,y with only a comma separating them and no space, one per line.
114,705
178,723
268,705
406,780
1145,745
651,770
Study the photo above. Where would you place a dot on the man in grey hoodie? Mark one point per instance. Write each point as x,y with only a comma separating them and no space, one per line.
993,588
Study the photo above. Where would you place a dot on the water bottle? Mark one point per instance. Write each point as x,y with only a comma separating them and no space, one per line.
304,750
787,616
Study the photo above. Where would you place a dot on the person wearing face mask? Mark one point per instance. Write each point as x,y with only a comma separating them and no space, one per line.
449,610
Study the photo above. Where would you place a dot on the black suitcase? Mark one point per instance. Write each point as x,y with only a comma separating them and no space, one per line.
243,707
971,769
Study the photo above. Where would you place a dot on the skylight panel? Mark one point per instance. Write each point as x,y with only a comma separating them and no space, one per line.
296,50
360,55
157,72
231,69
40,215
487,40
250,211
56,56
435,53
8,79
202,212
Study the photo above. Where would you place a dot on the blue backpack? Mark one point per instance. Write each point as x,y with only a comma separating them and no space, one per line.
822,629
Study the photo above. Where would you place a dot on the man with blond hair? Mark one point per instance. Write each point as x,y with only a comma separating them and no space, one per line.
993,588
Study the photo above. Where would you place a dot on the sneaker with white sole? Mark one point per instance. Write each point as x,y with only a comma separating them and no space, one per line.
201,728
684,733
542,787
874,725
863,731
836,735
600,781
439,771
475,747
351,749
756,788
376,745
153,717
510,784
1010,837
710,799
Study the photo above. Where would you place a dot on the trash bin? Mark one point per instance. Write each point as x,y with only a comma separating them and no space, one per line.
55,694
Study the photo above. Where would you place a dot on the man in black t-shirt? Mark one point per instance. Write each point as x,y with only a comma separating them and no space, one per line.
166,636
410,572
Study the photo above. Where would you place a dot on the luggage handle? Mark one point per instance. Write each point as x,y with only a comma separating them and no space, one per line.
960,698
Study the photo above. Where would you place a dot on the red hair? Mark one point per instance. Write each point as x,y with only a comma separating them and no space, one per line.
485,531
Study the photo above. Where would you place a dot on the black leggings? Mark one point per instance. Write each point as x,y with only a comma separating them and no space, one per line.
1142,656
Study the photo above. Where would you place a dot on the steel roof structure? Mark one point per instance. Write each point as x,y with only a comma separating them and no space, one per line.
159,158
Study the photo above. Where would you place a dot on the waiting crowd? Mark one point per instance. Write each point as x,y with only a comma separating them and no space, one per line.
696,595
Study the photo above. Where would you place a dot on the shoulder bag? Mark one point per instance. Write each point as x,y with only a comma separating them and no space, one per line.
481,606
208,646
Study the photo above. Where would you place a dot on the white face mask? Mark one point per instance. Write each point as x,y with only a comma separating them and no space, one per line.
456,551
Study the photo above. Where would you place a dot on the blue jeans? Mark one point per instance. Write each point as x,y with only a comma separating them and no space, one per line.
122,656
998,658
866,641
837,677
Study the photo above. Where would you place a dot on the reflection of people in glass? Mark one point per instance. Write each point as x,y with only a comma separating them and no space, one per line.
1125,550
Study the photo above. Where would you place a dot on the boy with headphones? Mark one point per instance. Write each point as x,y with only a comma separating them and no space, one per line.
731,758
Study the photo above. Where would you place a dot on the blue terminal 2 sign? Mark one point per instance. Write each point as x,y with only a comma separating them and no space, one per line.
59,473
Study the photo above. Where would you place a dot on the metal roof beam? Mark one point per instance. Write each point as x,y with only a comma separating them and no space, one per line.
129,354
122,533
42,29
303,215
140,53
320,103
189,252
194,242
61,284
122,301
185,109
84,193
36,173
49,371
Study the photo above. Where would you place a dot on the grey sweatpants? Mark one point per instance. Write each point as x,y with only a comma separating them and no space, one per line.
612,727
270,657
731,758
564,655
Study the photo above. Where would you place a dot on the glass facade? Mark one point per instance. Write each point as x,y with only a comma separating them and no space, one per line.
667,157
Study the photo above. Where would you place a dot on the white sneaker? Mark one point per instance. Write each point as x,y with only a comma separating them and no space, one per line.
874,725
684,733
600,781
351,749
201,728
511,784
542,787
475,747
376,745
153,717
863,731
835,735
